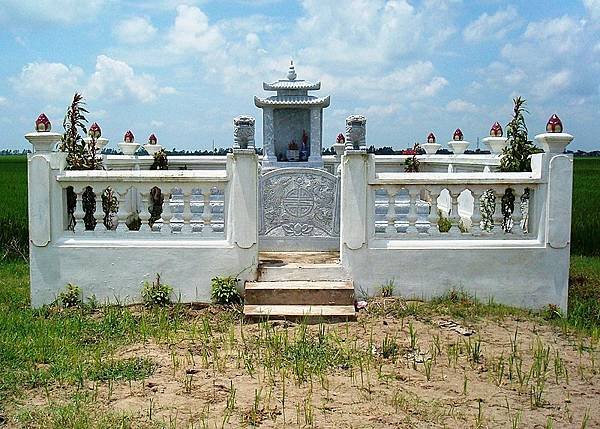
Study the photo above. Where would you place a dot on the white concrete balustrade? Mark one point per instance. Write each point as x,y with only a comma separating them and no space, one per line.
203,221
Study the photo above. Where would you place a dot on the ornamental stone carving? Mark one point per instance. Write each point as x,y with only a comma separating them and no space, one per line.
356,130
243,132
299,203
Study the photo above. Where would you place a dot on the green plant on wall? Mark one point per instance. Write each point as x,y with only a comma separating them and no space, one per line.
80,155
515,156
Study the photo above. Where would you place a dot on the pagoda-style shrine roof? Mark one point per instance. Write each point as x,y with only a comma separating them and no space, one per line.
291,101
284,84
291,93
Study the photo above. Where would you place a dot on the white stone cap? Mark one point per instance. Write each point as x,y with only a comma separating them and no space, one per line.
440,179
152,176
554,142
43,142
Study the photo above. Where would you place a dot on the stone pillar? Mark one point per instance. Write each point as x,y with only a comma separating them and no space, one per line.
243,132
242,222
354,216
268,136
356,132
315,134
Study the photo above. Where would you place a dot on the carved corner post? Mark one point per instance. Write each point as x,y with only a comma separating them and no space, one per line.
557,168
354,197
243,132
315,133
46,209
242,207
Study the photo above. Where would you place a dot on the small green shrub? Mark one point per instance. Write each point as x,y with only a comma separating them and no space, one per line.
224,291
552,312
387,289
156,293
70,297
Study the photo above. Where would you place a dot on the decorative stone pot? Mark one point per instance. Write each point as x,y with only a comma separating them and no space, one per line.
293,154
496,144
431,148
458,147
152,148
129,148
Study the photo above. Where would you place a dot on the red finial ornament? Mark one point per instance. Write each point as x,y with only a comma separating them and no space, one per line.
340,138
128,138
95,132
152,139
458,135
42,124
431,138
554,125
496,130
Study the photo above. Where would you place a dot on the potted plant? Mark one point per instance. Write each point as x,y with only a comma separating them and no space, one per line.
152,146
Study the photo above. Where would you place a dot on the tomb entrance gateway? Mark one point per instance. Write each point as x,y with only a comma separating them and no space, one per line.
299,200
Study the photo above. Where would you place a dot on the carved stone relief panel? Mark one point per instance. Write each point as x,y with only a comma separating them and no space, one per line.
299,202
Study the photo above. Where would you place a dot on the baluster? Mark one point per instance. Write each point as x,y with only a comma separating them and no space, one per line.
122,212
207,214
99,213
517,215
525,211
412,211
454,216
167,215
476,218
79,213
498,216
145,212
433,212
391,211
186,228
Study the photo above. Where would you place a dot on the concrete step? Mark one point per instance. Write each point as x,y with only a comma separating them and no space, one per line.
299,292
270,272
310,313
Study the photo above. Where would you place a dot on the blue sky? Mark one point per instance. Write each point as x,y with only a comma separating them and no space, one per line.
183,70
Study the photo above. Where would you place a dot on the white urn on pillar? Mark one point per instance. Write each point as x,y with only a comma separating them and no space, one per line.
458,145
128,146
496,142
554,140
152,146
431,147
42,140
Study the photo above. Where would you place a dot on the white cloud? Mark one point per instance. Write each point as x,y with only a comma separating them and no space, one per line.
192,32
3,101
368,32
117,80
50,81
593,8
134,30
495,26
59,11
459,105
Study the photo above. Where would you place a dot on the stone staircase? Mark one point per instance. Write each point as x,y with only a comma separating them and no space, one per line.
297,290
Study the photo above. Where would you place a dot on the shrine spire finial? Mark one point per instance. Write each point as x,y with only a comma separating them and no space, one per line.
291,71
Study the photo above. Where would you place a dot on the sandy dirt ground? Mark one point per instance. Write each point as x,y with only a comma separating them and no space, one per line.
443,375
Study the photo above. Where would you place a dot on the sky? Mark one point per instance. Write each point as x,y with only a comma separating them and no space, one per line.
184,69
